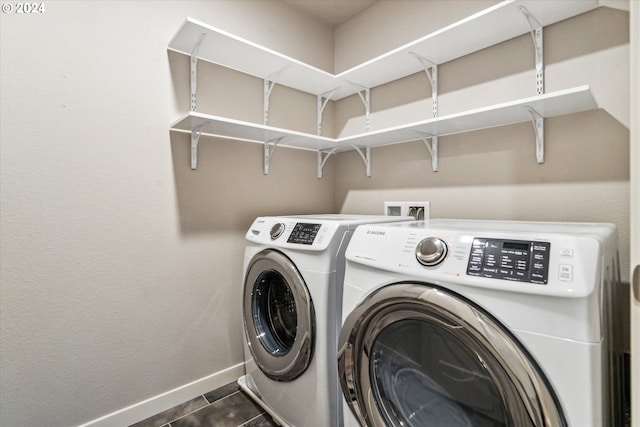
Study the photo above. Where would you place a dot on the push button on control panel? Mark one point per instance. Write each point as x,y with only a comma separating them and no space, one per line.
565,272
566,252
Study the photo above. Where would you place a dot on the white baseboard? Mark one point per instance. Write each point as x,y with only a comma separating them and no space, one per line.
154,405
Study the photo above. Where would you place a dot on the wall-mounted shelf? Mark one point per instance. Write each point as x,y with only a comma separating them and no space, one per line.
549,105
478,31
198,124
247,131
493,25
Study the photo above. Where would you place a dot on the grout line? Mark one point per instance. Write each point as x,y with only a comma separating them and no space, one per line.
202,407
189,413
207,403
224,397
251,419
220,398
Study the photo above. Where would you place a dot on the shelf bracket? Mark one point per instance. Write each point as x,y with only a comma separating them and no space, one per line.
194,70
365,96
268,152
323,99
538,127
431,69
366,157
323,156
432,147
536,36
268,87
195,138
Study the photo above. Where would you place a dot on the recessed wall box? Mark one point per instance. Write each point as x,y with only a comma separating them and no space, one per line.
418,210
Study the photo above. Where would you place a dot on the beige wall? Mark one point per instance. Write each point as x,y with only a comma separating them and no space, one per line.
375,31
120,266
493,173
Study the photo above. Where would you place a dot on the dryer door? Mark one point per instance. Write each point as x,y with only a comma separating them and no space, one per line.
417,355
278,316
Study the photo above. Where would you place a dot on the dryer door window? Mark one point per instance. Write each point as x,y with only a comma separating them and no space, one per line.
278,316
424,374
415,355
274,313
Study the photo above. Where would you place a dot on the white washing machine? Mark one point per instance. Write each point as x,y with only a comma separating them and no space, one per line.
293,270
479,323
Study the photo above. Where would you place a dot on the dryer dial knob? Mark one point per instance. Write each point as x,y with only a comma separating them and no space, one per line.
276,231
431,251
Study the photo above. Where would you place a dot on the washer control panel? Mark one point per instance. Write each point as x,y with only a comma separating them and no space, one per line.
291,233
519,260
304,233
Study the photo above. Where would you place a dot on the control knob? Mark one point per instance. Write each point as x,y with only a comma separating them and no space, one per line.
431,251
276,231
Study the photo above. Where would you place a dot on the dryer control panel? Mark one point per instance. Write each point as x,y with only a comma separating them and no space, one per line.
519,260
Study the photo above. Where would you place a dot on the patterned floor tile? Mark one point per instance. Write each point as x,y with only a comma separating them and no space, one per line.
221,392
174,413
263,420
230,411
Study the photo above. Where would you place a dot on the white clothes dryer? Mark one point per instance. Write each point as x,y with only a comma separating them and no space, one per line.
479,323
293,275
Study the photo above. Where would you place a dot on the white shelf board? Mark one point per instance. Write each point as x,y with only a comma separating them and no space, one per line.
236,129
228,50
483,29
549,105
486,28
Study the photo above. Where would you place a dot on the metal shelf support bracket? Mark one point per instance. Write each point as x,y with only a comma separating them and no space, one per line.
323,99
268,87
195,138
366,157
268,152
323,156
365,96
431,69
536,36
432,147
194,70
538,127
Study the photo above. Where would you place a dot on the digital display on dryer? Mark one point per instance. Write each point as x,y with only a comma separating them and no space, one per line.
522,261
304,233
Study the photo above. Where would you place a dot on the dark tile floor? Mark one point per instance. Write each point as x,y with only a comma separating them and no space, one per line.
227,406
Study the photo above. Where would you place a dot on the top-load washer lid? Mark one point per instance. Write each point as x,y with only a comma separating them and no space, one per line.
413,354
279,316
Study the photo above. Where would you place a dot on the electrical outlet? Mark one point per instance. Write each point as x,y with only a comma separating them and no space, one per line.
418,210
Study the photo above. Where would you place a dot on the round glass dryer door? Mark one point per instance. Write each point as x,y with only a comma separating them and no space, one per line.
278,316
417,355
